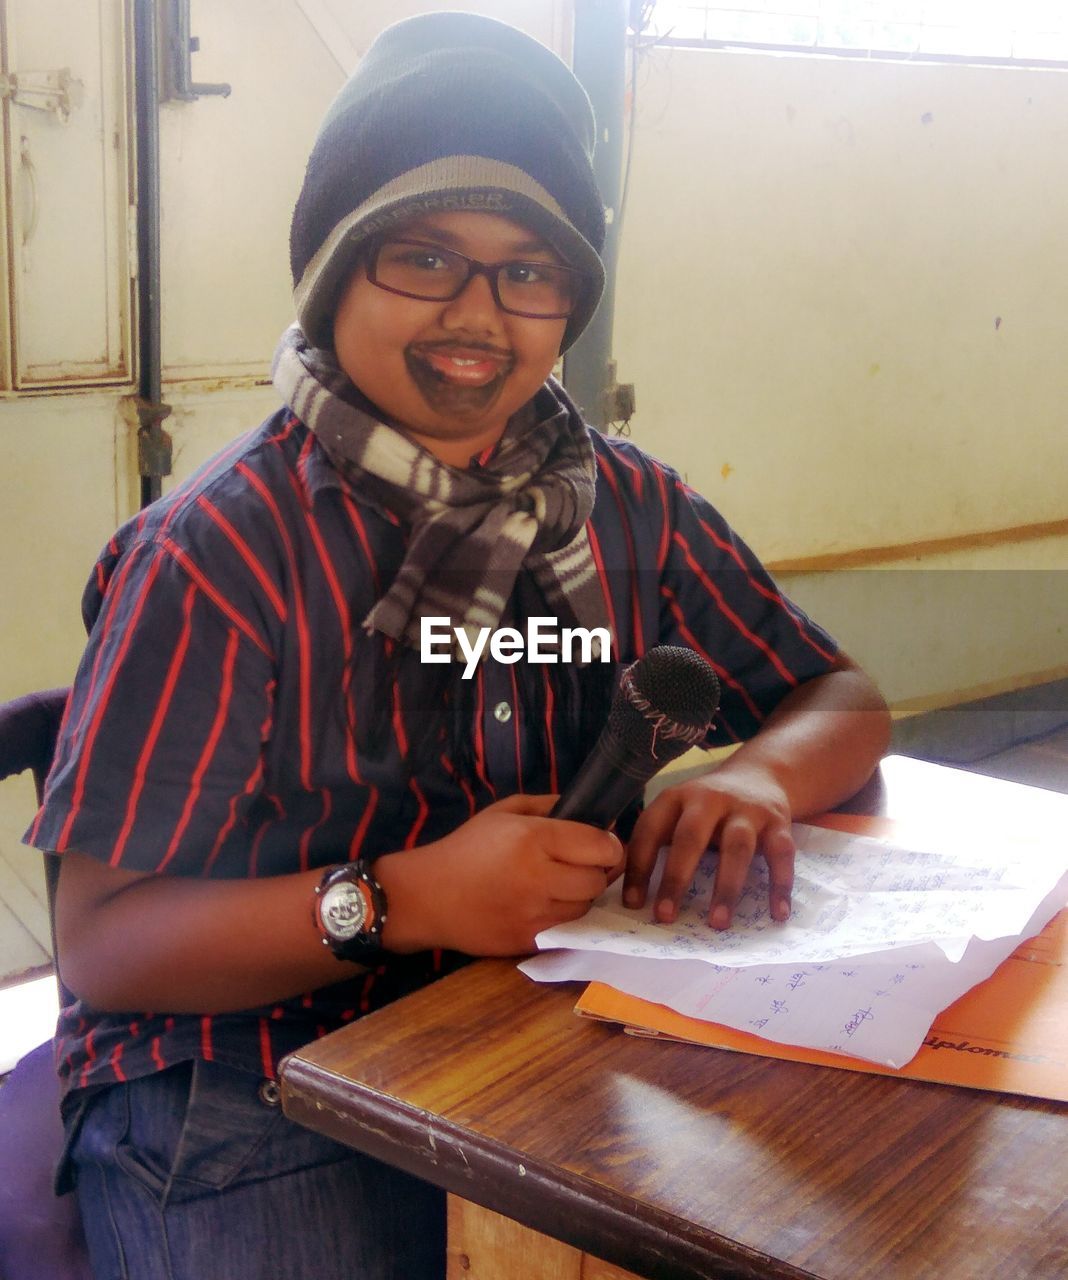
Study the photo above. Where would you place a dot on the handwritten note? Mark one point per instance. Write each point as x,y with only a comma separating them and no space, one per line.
881,939
853,895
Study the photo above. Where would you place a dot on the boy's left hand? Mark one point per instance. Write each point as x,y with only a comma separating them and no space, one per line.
741,809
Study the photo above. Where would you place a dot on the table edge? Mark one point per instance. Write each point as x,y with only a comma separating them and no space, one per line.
546,1198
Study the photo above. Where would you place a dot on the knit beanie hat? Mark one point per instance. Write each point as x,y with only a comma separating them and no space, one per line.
447,111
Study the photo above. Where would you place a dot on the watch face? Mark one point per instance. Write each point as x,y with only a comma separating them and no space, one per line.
345,910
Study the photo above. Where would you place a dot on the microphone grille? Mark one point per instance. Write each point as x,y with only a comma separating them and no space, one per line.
679,683
666,703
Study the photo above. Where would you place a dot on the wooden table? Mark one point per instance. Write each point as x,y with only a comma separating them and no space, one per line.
672,1160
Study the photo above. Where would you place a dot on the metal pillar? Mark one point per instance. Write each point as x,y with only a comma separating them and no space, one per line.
599,61
154,444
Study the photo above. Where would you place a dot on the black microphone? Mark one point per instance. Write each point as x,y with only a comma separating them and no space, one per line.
664,705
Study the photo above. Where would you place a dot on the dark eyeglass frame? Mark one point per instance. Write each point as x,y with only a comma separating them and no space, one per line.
490,270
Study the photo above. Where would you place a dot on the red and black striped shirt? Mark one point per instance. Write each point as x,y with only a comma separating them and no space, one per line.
218,725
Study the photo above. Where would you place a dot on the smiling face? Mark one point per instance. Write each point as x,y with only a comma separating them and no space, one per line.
449,374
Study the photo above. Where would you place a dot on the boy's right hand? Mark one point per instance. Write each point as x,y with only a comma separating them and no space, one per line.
498,880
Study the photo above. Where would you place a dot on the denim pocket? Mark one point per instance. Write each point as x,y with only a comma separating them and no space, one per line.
196,1129
133,1126
205,1155
226,1133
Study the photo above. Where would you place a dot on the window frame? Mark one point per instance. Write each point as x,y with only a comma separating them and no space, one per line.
652,34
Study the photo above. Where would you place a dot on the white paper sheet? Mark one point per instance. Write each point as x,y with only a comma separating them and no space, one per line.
881,939
877,1007
853,895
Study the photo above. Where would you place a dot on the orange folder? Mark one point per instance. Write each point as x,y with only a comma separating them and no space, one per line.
1009,1033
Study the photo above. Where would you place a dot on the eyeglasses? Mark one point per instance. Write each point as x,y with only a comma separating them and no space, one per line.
414,269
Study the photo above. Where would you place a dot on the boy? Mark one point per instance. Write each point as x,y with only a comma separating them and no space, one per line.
274,816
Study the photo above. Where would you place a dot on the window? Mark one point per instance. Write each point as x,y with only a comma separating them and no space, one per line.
1013,32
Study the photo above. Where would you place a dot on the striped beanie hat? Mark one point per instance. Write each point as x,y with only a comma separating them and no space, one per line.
447,111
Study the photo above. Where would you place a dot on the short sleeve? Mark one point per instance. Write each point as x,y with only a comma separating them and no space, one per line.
160,753
718,599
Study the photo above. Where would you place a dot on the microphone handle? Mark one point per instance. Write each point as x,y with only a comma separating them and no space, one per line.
603,787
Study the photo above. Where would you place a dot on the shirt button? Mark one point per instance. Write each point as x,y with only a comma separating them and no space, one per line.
502,713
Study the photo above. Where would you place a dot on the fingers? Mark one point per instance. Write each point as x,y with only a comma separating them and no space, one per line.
737,844
615,872
579,845
573,891
577,884
576,843
689,820
538,806
742,814
779,851
652,830
688,844
559,913
739,840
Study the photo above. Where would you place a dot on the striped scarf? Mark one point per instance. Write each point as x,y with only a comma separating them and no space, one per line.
472,531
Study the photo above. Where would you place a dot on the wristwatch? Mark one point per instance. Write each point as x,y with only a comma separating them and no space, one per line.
349,911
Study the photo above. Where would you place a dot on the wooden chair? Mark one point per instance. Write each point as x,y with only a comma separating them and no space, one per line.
41,1234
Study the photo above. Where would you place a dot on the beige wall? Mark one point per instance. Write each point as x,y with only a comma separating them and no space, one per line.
58,478
847,282
810,279
843,299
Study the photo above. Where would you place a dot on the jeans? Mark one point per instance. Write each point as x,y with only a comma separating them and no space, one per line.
195,1174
